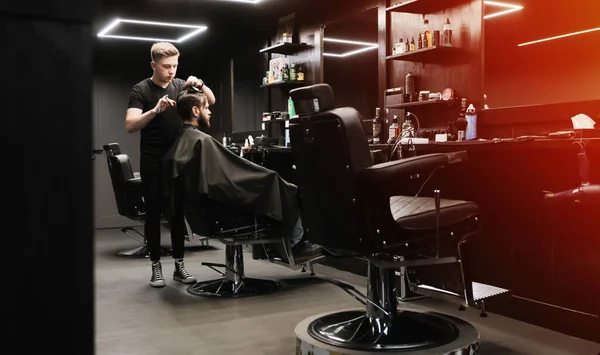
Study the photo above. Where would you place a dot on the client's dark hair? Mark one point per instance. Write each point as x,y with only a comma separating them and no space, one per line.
187,99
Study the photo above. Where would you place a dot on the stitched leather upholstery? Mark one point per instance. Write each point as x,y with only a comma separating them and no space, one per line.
418,213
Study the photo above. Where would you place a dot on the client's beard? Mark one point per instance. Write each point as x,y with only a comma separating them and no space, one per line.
202,123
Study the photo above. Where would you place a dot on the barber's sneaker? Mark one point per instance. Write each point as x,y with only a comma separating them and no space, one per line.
304,251
180,274
157,279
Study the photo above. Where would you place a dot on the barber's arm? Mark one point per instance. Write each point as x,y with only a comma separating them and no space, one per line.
136,119
192,80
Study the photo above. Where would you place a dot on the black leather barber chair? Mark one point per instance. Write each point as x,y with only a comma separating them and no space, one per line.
235,228
352,207
127,187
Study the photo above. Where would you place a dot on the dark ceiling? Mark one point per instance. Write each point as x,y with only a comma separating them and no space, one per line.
229,23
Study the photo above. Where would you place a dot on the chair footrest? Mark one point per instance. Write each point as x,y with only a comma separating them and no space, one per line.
483,291
213,264
301,264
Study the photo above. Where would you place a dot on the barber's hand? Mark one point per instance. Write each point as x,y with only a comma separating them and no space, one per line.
163,103
192,81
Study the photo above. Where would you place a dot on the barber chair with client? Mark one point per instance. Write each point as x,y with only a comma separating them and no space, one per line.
232,199
387,215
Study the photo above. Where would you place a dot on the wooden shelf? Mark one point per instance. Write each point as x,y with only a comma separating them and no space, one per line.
437,54
422,103
286,48
423,6
287,83
279,120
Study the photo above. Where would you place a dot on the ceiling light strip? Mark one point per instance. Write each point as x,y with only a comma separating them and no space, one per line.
115,23
370,46
511,8
560,36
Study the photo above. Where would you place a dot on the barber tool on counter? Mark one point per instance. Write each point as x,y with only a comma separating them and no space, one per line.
586,193
471,118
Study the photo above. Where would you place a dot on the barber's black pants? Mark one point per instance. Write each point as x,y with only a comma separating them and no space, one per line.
156,203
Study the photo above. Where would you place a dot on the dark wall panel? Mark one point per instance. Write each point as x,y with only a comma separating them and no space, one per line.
47,178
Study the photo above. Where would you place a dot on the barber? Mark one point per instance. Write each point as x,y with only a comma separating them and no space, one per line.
151,110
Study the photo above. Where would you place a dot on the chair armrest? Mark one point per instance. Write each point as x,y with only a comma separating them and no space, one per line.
387,174
136,175
134,182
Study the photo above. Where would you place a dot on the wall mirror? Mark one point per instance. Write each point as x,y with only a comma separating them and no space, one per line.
541,52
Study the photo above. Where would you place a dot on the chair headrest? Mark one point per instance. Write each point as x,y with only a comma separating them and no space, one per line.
312,99
112,149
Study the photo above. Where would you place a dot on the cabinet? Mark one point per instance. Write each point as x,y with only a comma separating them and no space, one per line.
459,67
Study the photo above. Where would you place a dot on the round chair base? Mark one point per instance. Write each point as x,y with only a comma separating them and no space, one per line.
143,252
352,333
225,288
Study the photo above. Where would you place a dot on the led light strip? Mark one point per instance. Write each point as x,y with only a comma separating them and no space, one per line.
369,46
115,23
511,8
247,1
557,37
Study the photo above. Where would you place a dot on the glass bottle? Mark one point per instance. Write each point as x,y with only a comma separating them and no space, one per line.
377,127
447,36
427,39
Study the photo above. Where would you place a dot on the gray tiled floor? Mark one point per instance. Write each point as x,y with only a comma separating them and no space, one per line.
132,318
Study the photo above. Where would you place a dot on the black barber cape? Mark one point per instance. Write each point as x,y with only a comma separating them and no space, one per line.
223,176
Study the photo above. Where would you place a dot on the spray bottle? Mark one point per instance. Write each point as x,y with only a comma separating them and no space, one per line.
471,118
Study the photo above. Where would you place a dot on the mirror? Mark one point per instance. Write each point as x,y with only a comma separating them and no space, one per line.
525,64
350,58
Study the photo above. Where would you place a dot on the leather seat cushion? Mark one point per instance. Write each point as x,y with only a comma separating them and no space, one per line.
419,212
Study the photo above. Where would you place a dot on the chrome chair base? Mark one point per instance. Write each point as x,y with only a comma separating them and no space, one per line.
409,331
227,289
350,332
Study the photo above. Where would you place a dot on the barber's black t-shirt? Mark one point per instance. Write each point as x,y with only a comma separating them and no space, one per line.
160,134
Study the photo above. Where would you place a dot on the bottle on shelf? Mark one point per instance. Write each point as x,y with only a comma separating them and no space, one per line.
427,35
300,73
406,46
409,83
420,41
293,72
407,127
291,107
447,35
285,73
393,130
400,46
413,46
377,123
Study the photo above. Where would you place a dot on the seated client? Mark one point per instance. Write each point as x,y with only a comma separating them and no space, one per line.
233,180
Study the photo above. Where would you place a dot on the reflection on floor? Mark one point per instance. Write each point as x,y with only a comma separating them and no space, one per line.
132,318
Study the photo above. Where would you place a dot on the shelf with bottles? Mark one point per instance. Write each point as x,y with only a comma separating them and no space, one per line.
423,6
434,54
284,73
286,48
286,83
433,102
431,46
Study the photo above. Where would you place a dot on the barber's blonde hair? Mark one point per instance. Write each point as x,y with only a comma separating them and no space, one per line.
161,50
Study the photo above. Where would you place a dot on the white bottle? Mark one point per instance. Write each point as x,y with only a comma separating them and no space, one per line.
471,118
